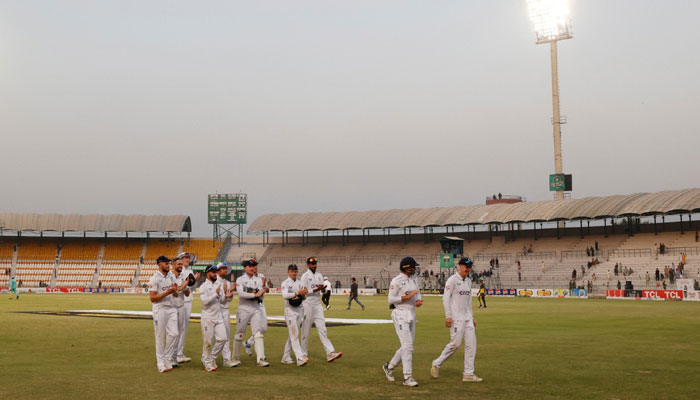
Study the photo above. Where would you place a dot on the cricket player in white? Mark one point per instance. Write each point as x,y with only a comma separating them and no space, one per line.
212,295
251,290
161,290
179,301
188,295
313,312
293,293
457,301
226,287
248,344
404,297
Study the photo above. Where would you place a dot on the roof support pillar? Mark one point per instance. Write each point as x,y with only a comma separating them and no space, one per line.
558,237
580,225
605,226
588,231
681,215
655,231
534,229
663,223
690,222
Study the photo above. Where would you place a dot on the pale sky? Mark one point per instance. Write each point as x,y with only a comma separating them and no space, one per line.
145,107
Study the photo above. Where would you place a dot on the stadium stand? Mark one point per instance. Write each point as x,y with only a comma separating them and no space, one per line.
146,272
31,273
7,249
118,274
37,249
157,248
123,249
203,249
75,273
4,276
81,249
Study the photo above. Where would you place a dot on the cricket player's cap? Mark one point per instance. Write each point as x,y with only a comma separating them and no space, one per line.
250,262
183,255
311,260
163,259
221,265
292,267
465,261
408,262
212,268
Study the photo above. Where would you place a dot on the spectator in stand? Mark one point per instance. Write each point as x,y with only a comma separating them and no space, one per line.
542,263
593,277
583,271
616,269
519,275
588,251
608,275
500,196
656,274
697,236
696,285
647,278
573,274
619,285
596,245
664,284
497,261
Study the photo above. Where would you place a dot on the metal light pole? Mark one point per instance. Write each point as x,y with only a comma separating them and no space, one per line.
550,18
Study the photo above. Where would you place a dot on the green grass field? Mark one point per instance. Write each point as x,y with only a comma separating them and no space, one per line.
527,348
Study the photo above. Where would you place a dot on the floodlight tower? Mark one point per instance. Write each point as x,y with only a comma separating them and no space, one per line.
551,21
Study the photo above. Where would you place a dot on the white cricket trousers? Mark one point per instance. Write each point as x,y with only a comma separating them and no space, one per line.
461,330
165,327
313,314
226,318
293,318
212,329
255,316
187,310
181,327
405,325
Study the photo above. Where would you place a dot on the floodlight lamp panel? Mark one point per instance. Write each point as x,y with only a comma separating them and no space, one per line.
550,19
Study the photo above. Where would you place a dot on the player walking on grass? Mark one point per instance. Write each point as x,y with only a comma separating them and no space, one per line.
457,301
188,296
313,312
162,289
179,302
228,288
293,293
13,288
404,297
251,290
353,295
482,294
248,344
326,297
213,326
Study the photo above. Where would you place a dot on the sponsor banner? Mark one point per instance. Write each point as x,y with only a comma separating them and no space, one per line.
137,290
662,294
360,292
542,292
691,295
623,294
525,292
104,290
684,284
553,293
500,292
65,290
32,290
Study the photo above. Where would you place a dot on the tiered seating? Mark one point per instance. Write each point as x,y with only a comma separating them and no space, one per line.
157,248
6,249
147,271
75,274
4,278
87,249
117,274
202,248
31,273
123,249
37,249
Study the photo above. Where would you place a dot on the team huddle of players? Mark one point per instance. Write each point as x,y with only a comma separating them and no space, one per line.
172,286
170,291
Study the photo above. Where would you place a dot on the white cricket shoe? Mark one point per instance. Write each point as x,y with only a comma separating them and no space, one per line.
471,378
302,362
162,369
409,381
389,372
288,361
328,307
248,349
434,370
211,367
235,363
263,363
334,356
228,364
183,359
